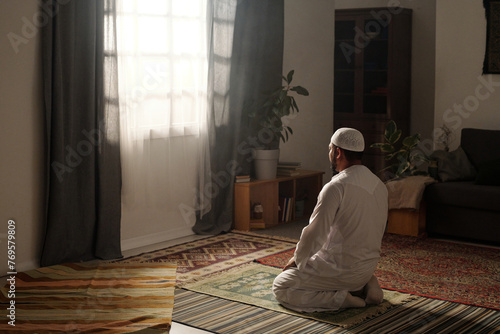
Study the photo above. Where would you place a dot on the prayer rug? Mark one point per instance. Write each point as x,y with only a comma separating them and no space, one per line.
252,283
206,256
432,268
90,297
422,315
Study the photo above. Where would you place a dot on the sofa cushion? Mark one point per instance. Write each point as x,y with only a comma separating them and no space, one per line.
465,194
453,166
489,173
480,145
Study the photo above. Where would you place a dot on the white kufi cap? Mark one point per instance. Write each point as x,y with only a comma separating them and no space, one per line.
349,139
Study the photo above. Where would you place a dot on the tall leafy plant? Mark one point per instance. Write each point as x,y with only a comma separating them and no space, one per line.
276,105
405,156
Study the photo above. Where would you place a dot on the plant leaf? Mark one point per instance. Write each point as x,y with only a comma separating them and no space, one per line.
287,104
395,136
384,147
402,168
418,156
289,76
390,128
387,148
300,90
294,104
411,141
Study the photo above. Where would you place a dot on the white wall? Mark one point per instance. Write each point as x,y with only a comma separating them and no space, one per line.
462,97
309,37
21,131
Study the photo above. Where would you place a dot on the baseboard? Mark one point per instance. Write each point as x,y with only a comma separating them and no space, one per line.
154,238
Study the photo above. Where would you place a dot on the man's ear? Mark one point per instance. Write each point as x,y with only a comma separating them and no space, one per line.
339,153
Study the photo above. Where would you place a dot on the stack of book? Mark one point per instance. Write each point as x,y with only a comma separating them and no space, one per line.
288,168
242,178
286,206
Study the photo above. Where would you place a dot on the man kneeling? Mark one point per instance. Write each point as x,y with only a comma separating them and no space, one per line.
338,251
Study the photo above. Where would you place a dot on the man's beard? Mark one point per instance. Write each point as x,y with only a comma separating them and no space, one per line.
334,169
333,166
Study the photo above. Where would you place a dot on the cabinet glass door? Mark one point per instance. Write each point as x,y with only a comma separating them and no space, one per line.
345,62
375,59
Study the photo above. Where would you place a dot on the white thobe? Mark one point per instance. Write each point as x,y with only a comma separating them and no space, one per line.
339,249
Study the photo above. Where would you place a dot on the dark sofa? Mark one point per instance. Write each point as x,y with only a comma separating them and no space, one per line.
466,203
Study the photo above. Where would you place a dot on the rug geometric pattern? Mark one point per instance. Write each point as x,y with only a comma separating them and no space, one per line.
93,297
206,256
438,269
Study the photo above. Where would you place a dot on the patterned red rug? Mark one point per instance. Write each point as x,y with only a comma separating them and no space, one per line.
445,270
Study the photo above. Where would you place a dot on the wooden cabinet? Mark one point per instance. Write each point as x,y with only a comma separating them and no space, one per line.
372,73
304,186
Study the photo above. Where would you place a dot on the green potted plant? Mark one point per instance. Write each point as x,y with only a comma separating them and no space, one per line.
405,156
269,117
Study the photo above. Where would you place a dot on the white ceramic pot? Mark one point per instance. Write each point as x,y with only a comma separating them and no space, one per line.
266,163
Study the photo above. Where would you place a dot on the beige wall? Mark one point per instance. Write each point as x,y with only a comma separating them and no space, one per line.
464,97
309,37
21,132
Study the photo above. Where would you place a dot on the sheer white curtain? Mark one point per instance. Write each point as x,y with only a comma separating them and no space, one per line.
162,59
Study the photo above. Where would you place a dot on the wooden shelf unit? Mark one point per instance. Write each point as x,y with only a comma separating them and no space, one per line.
268,192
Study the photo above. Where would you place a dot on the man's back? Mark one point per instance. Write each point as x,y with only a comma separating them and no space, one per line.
346,227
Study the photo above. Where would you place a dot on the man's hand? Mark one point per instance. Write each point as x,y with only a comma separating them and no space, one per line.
291,263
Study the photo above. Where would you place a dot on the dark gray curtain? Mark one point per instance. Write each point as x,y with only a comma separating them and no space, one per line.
255,67
82,132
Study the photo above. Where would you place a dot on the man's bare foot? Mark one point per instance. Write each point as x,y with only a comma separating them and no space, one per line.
351,301
374,293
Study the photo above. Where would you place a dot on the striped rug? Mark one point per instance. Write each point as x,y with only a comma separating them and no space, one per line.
423,315
90,298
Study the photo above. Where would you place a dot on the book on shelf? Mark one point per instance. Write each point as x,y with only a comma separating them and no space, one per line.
242,178
288,168
286,206
289,163
257,224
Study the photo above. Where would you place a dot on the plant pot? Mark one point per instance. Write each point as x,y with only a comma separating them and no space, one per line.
266,163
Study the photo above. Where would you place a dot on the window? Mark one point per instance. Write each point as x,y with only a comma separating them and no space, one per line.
162,57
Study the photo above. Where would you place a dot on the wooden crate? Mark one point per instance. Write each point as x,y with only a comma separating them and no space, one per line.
407,221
